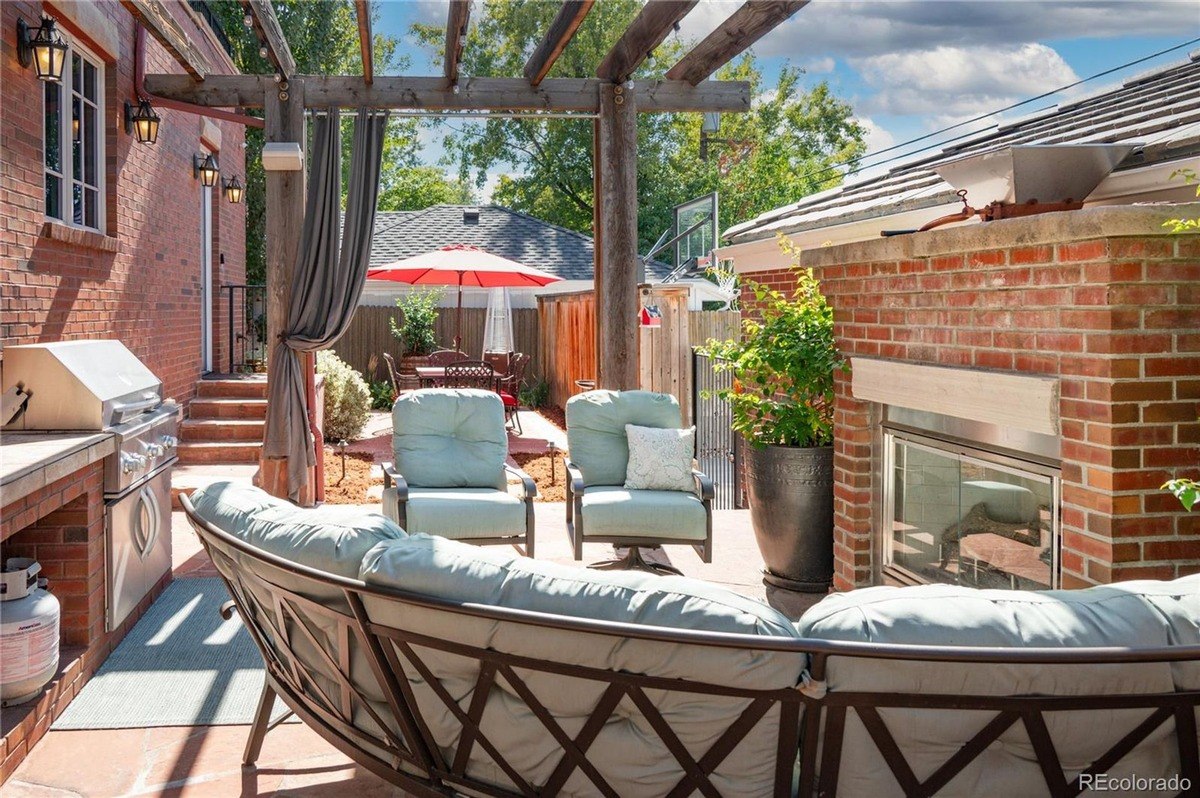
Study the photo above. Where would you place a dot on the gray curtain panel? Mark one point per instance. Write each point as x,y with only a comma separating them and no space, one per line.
328,280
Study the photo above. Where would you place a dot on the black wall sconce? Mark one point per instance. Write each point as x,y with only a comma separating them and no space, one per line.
206,168
234,190
44,48
142,121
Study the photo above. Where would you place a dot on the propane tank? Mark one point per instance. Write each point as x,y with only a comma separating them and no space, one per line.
29,618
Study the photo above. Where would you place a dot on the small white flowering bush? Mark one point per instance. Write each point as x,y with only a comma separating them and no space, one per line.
347,398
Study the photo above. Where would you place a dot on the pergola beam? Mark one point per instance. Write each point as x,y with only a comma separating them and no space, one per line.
157,19
278,51
575,95
362,9
647,31
570,16
743,28
456,34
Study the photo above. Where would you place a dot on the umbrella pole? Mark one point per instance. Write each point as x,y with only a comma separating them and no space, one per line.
458,321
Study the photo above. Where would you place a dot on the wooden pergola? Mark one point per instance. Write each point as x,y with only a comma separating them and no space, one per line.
611,99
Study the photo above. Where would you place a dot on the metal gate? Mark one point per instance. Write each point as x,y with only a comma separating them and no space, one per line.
716,448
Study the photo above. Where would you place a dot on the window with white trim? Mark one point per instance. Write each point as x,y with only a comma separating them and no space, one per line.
73,134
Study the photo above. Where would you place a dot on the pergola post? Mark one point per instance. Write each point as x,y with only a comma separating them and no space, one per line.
616,240
284,120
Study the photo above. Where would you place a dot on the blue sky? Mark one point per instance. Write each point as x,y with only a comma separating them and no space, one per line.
910,67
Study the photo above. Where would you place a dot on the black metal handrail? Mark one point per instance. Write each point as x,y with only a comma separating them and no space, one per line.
249,328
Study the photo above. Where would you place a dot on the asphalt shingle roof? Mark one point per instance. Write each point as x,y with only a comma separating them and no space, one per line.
1159,109
501,231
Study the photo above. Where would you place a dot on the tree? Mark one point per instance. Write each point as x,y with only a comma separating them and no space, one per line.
323,38
779,151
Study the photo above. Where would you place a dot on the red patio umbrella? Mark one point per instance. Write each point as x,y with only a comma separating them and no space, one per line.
462,265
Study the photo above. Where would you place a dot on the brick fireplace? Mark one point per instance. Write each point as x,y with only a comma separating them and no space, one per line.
1079,328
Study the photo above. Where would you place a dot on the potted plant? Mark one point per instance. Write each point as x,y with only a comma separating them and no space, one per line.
782,403
417,330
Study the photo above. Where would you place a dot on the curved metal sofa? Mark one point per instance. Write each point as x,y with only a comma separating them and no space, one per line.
373,672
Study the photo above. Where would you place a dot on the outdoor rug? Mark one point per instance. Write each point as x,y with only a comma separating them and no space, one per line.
180,665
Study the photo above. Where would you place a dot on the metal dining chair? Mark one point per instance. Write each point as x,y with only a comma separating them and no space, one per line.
470,374
510,389
444,357
400,382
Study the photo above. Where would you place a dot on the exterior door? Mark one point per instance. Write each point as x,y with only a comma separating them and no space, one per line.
206,279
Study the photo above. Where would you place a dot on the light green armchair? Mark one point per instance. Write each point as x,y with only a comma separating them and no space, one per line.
599,507
449,477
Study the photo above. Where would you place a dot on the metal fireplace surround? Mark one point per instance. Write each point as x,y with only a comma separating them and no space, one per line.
270,595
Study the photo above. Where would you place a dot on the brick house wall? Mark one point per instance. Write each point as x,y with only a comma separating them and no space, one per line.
139,280
1101,299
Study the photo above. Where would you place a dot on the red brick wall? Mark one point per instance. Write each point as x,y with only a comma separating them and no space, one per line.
1116,319
139,282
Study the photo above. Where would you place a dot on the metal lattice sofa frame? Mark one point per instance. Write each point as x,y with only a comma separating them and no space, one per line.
810,721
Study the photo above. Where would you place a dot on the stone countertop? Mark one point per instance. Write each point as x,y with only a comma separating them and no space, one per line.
32,460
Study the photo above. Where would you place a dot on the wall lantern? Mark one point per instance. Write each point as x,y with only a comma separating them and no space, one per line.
205,168
142,121
234,190
43,48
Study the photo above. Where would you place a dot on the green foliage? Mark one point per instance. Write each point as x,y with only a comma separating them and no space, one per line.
1186,490
770,156
535,395
417,330
783,366
381,394
347,398
323,38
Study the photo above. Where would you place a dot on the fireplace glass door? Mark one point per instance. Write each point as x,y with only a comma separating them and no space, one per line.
971,518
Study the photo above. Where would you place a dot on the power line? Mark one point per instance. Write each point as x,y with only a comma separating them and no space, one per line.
853,162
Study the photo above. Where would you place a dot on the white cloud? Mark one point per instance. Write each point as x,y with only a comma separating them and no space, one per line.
877,138
819,66
954,81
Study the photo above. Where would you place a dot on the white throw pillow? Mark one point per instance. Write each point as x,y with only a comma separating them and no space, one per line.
660,459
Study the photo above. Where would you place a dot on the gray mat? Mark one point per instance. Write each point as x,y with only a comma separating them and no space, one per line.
180,665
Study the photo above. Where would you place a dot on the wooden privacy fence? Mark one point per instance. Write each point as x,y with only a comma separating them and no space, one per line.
568,323
370,334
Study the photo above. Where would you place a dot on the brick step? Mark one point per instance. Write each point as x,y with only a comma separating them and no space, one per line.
251,388
224,452
208,409
221,429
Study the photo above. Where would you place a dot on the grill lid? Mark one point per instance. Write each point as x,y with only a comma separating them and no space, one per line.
79,385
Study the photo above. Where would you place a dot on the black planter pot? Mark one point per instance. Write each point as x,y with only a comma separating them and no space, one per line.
790,491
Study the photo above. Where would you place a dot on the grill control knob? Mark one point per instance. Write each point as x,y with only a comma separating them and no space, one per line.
169,442
154,451
131,462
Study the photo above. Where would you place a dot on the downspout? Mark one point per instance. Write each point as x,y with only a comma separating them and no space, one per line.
139,88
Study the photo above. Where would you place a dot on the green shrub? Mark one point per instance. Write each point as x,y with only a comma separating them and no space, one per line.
417,330
347,398
535,395
381,394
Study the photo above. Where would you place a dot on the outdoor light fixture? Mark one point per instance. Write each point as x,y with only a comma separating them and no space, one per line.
43,48
206,169
234,190
142,121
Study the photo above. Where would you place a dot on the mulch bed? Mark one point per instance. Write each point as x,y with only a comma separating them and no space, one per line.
554,415
538,467
353,488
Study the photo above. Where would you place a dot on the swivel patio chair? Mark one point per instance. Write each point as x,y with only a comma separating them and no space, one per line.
510,389
449,477
600,509
444,357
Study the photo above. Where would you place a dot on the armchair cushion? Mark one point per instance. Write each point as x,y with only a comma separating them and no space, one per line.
331,538
596,429
450,438
660,459
1129,614
459,513
609,511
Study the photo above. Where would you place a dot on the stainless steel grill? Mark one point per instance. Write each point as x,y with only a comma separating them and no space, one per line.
101,386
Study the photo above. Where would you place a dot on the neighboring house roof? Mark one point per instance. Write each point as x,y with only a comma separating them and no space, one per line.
1159,110
504,232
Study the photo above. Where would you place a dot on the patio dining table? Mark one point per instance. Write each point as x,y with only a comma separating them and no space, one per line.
435,377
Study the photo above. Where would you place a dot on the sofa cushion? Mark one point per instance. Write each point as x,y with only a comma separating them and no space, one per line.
629,753
1130,614
596,429
459,513
331,538
450,438
609,511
